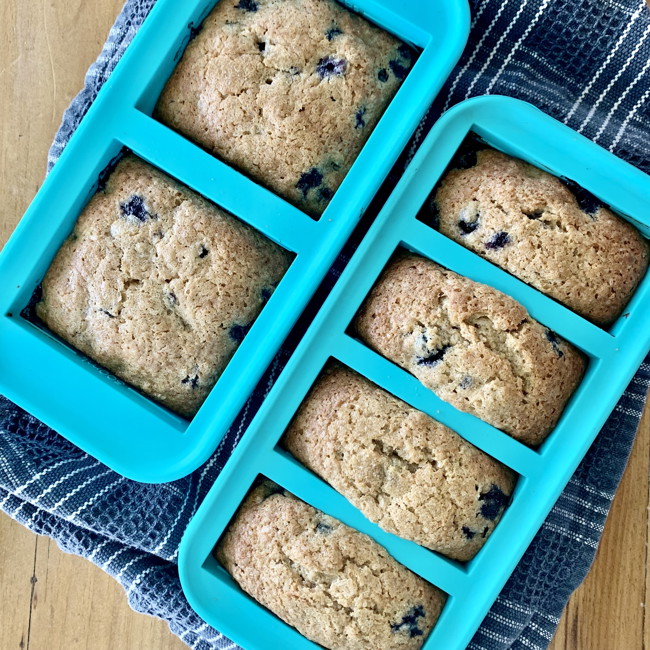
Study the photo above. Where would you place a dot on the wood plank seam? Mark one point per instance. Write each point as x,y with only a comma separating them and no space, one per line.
33,580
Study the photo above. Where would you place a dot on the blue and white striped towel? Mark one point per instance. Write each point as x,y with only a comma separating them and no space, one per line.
587,63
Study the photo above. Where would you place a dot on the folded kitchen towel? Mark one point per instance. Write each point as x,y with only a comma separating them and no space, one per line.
586,62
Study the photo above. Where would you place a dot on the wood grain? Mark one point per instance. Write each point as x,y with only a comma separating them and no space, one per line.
17,559
53,601
50,600
608,612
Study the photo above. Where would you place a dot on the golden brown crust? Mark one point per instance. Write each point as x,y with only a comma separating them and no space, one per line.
406,472
335,585
287,91
158,285
583,256
475,347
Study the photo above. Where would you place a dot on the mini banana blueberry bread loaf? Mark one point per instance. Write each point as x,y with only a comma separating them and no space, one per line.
406,472
336,586
158,285
547,232
473,346
288,91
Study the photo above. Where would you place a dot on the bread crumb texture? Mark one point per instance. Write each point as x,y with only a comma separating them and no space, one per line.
473,346
549,233
158,285
406,472
335,585
288,91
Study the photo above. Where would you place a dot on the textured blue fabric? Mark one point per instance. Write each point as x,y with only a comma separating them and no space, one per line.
583,61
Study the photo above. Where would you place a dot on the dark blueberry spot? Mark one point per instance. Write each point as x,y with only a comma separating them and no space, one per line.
169,298
465,160
326,194
465,382
360,123
534,214
323,528
434,358
107,313
468,532
485,532
498,240
135,208
333,33
331,67
204,252
247,5
406,52
495,502
309,181
586,200
261,46
409,622
399,70
193,382
238,332
382,75
555,342
266,294
467,227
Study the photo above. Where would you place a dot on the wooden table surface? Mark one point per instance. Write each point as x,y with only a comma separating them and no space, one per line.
50,600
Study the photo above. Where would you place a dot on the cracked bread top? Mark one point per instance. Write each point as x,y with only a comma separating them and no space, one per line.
335,585
475,347
288,91
548,232
413,476
158,285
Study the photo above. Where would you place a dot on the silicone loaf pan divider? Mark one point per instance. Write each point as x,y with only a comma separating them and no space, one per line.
613,356
102,415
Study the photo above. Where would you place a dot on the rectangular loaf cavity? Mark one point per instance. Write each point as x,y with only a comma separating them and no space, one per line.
475,347
286,91
413,476
547,231
158,285
335,585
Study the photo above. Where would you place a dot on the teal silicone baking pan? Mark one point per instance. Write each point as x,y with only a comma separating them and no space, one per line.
613,356
102,415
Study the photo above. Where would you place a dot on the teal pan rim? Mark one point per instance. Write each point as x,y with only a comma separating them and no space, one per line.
106,418
613,356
